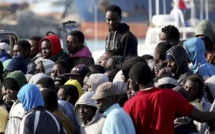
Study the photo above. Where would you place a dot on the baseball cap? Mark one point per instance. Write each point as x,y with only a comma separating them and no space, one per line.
80,70
106,89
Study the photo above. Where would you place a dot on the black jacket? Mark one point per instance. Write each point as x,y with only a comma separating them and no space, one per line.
40,121
181,59
122,42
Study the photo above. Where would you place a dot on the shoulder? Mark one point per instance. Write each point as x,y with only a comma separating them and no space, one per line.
17,110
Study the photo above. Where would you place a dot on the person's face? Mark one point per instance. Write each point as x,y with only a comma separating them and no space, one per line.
18,50
11,94
111,63
164,38
34,48
57,70
86,112
61,95
113,20
73,44
192,89
156,56
131,85
46,49
172,65
40,68
104,104
104,59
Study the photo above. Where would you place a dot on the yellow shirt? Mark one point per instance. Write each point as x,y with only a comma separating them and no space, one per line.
3,118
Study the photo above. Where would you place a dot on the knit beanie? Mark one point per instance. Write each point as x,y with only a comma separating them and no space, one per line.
17,63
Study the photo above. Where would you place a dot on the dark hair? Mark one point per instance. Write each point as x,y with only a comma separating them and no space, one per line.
92,72
162,48
197,78
141,73
182,91
36,38
171,32
114,8
147,57
118,58
111,74
72,91
47,82
79,34
50,99
25,44
64,64
97,68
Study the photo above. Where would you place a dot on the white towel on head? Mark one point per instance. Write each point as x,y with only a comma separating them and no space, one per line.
4,46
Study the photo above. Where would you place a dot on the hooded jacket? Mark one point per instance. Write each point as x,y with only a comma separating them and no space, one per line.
4,55
57,52
37,119
18,76
83,56
47,63
17,63
17,111
180,56
205,27
97,79
5,64
122,42
210,83
96,124
35,78
30,97
196,52
76,84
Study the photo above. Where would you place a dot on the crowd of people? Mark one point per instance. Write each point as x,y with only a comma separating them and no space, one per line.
45,90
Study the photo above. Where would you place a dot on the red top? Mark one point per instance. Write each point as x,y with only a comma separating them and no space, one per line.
182,4
55,43
153,111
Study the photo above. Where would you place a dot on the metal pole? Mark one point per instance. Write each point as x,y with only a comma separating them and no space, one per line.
150,11
206,10
157,7
95,26
164,6
201,9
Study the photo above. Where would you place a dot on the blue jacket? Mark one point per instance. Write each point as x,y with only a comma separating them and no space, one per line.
196,52
37,120
117,121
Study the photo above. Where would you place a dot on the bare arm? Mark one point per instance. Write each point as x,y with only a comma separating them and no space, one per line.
202,116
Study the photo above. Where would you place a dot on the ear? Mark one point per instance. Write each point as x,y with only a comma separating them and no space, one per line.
158,56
